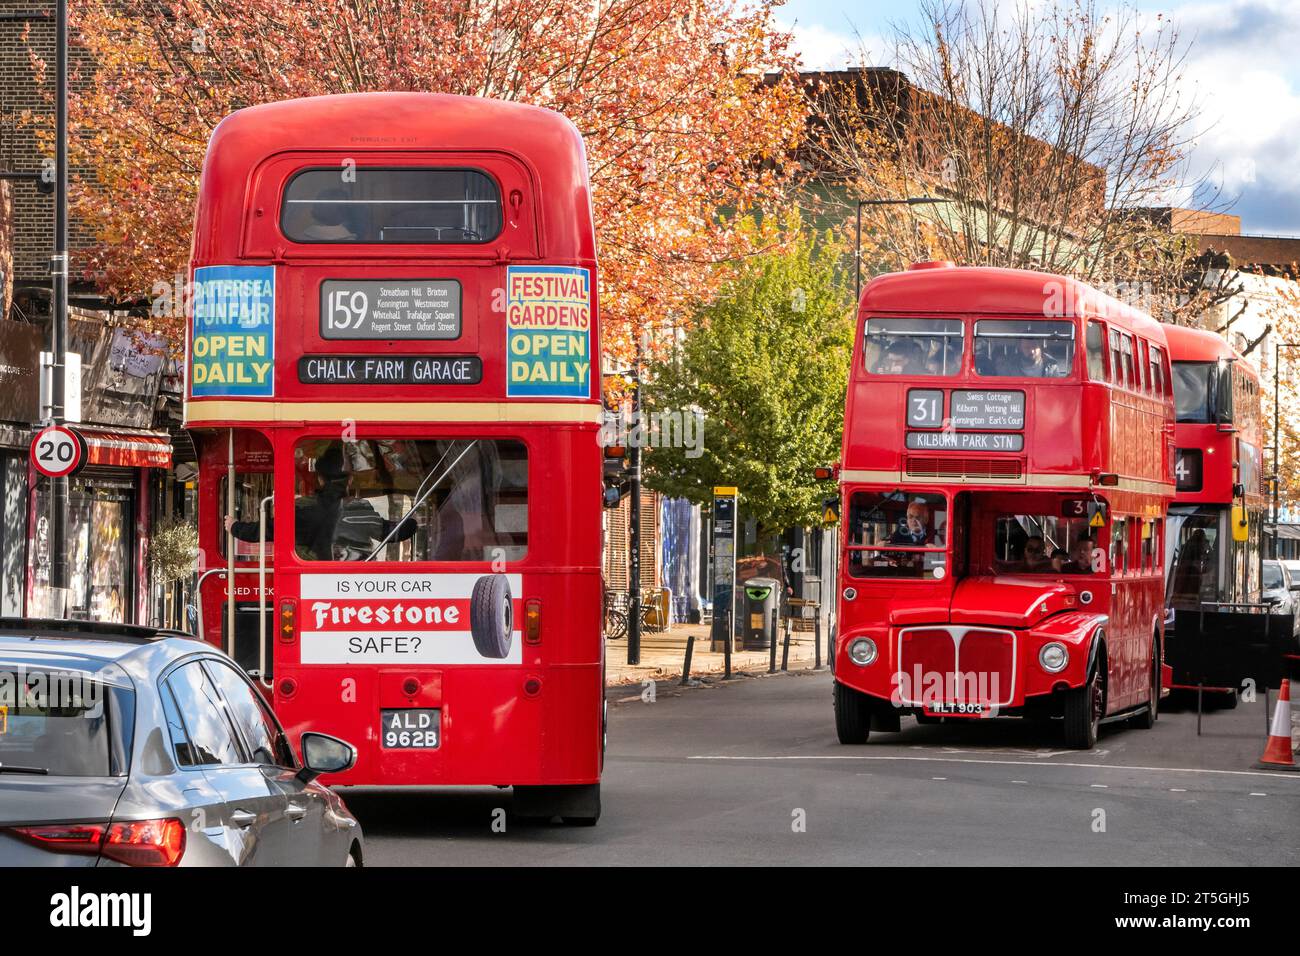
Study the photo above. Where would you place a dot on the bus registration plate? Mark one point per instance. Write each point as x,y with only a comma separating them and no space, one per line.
954,709
410,729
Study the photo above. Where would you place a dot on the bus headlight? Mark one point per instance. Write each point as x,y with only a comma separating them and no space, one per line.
862,651
1053,657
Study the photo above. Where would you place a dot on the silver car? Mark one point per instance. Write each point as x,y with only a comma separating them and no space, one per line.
123,745
1279,590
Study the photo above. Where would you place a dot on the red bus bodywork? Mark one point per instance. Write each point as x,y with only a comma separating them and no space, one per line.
532,718
1219,485
1094,445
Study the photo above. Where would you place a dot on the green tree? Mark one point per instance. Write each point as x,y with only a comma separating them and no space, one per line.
766,363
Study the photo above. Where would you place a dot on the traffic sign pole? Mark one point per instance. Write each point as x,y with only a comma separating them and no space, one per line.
59,303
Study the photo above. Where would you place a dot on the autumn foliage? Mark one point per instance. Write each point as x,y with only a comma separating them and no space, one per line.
667,94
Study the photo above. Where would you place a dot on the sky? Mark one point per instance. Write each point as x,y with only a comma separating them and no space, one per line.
1243,71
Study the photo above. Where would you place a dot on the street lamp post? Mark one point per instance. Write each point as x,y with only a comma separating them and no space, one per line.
1277,427
857,250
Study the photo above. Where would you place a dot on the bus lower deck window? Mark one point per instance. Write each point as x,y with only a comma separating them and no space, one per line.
404,499
1042,544
387,205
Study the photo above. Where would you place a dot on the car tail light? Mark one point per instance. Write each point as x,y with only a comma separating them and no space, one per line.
533,621
138,843
288,621
146,842
64,837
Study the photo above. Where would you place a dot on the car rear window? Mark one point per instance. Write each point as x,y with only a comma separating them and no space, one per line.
62,723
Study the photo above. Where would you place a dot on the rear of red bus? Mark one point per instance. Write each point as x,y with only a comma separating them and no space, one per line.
1005,475
392,354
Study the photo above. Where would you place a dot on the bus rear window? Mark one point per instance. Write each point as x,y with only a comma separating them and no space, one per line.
374,205
1019,348
405,499
914,346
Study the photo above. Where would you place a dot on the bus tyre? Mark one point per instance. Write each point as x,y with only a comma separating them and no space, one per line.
578,805
491,616
1148,717
1084,707
1229,700
852,715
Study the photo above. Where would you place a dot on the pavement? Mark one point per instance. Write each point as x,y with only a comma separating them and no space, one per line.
664,652
749,771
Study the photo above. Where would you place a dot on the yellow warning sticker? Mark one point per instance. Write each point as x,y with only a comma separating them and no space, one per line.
1097,521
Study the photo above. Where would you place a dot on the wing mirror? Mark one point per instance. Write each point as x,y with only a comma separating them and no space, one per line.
322,753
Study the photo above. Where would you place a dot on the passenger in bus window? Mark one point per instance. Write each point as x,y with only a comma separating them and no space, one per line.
330,524
902,357
1035,557
1060,558
329,213
1029,360
1080,557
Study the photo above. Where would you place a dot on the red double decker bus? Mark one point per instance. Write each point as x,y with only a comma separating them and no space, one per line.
1005,476
391,389
1215,529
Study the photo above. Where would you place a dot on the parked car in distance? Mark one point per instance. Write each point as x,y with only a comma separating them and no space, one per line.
124,745
1279,589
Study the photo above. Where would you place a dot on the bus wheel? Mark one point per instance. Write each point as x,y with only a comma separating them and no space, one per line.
1147,719
852,715
491,616
1084,707
1228,701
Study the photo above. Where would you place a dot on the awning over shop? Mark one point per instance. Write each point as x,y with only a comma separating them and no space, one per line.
127,449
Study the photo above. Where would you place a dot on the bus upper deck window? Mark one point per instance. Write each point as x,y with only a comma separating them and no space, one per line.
1024,348
388,205
914,346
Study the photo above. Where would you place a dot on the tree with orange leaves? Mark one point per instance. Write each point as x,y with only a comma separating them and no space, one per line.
668,95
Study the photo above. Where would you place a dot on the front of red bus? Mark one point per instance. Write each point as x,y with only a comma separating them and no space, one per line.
393,342
984,509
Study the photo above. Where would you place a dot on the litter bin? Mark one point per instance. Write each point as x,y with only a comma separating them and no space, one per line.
760,597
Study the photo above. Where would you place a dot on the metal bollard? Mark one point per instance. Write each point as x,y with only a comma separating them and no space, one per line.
726,645
771,665
785,647
817,641
686,665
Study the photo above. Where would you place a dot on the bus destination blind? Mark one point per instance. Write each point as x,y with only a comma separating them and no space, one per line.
390,309
390,370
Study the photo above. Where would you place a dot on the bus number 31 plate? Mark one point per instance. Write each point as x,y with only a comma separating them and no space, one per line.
410,729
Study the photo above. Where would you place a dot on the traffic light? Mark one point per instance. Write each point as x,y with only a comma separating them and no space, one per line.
615,476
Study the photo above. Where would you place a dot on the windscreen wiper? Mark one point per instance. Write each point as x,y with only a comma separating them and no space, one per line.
14,768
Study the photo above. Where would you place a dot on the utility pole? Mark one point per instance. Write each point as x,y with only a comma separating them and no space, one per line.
1277,425
59,297
634,516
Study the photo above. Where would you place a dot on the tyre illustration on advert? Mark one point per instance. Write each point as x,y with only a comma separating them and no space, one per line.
411,619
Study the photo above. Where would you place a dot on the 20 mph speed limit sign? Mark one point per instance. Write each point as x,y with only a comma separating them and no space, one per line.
59,451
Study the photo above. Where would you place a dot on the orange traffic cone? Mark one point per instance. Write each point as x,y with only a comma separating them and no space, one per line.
1278,752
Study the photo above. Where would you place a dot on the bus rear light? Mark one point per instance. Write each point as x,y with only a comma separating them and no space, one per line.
533,621
288,687
288,621
410,686
532,686
1109,478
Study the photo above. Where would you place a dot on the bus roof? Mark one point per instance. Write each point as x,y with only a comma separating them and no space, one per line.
352,124
941,287
1199,345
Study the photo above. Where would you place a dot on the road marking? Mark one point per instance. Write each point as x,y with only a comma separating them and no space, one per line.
1259,794
1019,781
1294,778
1099,786
1177,790
938,778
